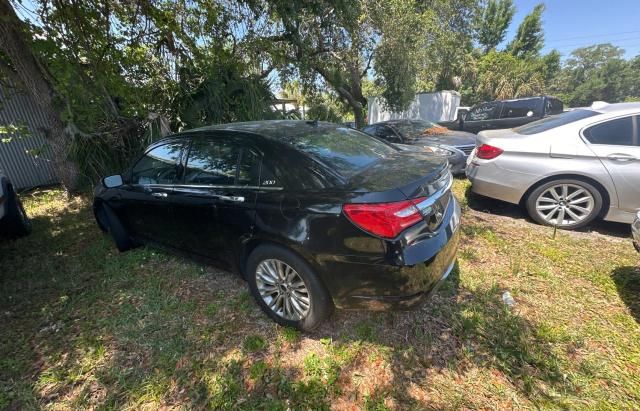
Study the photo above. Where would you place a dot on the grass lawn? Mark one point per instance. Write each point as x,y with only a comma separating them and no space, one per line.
83,326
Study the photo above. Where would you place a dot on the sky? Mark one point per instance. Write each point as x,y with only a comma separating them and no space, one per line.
570,24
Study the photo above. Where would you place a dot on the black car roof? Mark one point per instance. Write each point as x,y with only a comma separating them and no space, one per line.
273,128
270,129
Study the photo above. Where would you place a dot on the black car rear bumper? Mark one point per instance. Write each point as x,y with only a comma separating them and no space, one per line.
413,274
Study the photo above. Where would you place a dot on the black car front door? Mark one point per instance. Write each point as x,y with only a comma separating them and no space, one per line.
145,199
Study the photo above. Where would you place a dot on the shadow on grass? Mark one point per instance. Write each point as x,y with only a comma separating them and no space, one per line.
627,280
90,327
457,329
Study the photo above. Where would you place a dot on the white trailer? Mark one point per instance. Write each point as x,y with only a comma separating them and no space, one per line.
438,106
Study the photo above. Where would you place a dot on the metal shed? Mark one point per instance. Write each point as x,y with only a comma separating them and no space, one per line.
26,159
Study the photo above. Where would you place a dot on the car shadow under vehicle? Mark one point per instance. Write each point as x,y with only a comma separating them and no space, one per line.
627,280
497,207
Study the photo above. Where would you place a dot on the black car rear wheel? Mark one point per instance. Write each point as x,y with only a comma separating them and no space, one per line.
286,288
16,223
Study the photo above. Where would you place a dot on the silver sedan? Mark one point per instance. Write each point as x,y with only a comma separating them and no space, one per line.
566,169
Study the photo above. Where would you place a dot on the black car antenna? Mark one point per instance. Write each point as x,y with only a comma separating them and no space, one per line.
313,122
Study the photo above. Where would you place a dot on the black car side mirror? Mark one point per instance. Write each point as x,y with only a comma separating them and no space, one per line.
113,181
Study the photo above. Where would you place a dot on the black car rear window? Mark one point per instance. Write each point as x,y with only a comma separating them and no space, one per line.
557,120
344,150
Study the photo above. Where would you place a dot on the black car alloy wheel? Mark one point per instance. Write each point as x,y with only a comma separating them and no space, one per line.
286,288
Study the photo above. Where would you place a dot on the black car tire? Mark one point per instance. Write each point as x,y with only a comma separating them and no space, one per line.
321,305
101,217
16,222
114,226
593,191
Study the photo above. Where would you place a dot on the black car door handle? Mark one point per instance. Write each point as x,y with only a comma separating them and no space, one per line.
163,195
235,199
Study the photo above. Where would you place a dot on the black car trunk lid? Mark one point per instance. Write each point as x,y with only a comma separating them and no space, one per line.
405,175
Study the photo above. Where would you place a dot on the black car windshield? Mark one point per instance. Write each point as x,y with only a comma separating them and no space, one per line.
414,129
343,149
558,120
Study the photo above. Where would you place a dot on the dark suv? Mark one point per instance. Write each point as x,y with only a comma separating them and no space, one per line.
505,114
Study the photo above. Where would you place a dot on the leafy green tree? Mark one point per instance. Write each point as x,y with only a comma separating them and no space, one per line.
598,73
529,39
501,75
492,23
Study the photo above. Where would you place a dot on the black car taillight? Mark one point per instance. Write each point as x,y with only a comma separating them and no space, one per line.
385,220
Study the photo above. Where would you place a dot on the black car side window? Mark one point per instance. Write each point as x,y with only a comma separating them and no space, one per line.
619,132
211,162
520,108
158,166
249,170
485,111
388,134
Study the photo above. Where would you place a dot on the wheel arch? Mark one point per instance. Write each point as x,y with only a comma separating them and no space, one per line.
606,196
251,244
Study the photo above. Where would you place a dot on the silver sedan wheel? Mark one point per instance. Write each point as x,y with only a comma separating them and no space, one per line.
282,289
565,204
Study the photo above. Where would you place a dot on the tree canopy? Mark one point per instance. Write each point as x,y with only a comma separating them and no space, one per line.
113,75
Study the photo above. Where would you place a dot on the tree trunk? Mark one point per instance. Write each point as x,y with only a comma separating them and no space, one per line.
36,82
358,114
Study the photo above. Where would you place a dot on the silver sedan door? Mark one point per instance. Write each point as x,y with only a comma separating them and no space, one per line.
617,143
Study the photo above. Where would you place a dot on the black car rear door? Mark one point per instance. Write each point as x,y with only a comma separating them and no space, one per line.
215,201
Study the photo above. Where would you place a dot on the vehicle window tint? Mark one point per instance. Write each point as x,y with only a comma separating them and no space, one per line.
382,132
483,112
158,166
553,106
520,108
249,170
211,162
387,134
618,132
344,150
268,177
370,130
557,120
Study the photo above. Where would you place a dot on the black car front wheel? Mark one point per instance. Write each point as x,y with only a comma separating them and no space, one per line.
286,288
109,222
16,222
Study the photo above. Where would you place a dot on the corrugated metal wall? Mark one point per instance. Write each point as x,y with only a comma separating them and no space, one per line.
23,169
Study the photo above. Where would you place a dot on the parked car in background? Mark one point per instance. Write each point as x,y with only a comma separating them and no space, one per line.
635,231
505,114
566,169
311,214
13,219
427,136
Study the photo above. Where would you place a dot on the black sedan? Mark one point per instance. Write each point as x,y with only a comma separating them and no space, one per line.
427,136
312,215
